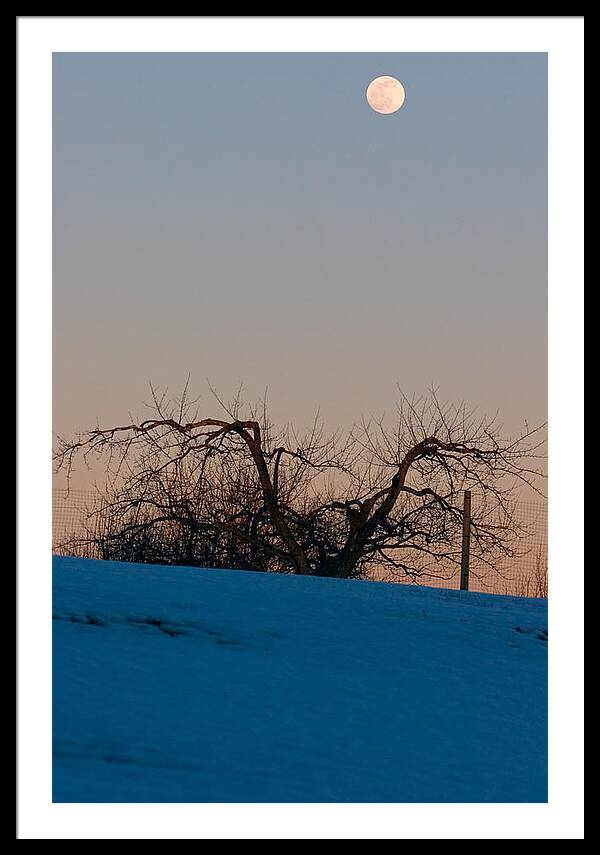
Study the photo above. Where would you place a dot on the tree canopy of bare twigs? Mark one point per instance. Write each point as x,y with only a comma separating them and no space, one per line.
230,490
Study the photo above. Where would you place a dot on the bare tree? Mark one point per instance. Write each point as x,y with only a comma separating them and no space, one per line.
234,491
535,583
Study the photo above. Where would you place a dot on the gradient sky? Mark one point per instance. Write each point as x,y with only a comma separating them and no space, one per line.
248,219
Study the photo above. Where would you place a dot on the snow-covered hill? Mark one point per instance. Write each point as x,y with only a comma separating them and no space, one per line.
183,685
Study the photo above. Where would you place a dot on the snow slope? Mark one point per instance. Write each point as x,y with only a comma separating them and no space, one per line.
182,685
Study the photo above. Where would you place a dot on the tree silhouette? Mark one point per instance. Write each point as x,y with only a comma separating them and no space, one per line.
235,492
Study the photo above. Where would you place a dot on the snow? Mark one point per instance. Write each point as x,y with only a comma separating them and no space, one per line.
176,684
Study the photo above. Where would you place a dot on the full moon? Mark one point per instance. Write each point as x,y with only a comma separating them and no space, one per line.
385,94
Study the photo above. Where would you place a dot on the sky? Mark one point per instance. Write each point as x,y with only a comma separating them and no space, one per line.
248,219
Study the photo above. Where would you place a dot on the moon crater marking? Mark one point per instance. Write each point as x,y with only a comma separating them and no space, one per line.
385,94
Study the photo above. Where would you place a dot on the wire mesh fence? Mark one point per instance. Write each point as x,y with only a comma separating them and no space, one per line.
77,526
74,522
524,574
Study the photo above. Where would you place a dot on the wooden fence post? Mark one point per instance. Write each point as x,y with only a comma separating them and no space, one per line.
466,542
